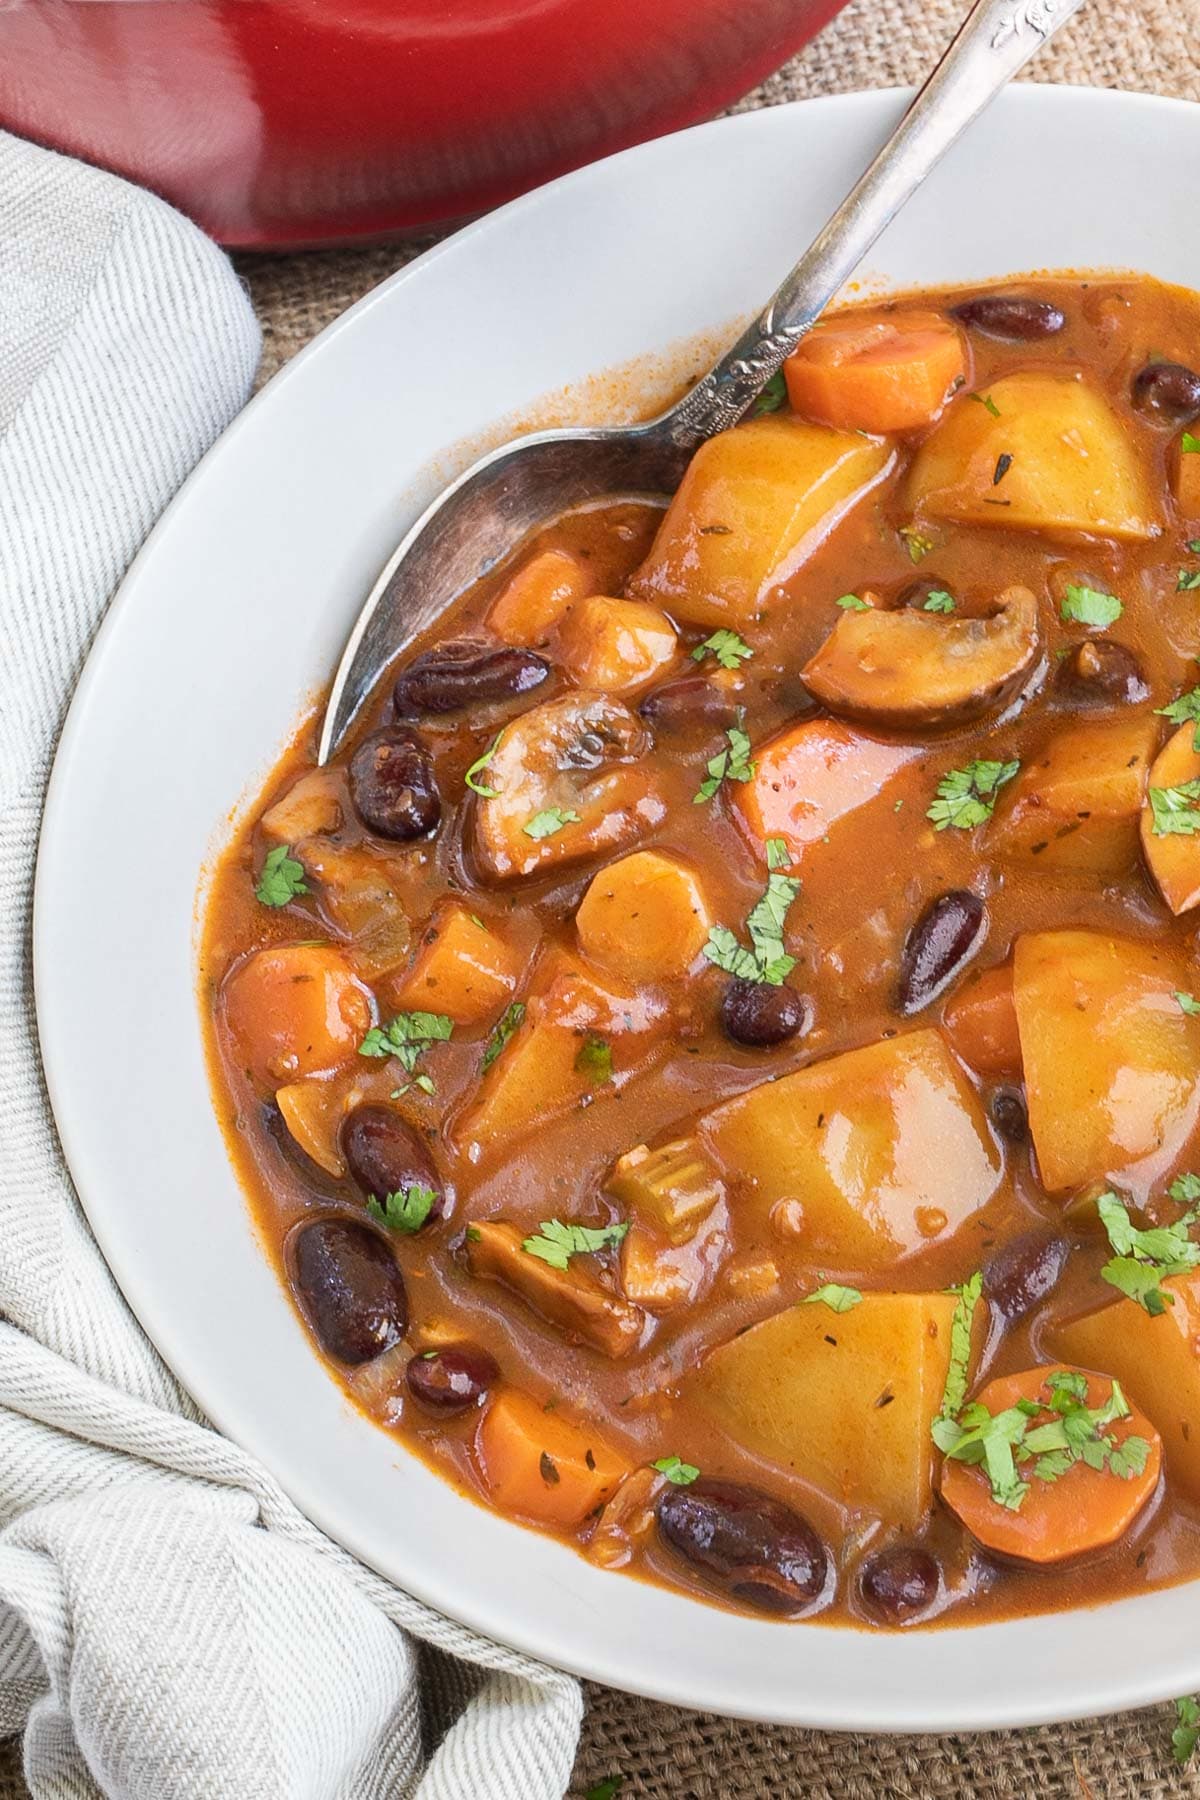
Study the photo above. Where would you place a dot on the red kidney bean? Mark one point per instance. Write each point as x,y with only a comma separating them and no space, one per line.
1168,393
1019,1275
1099,673
385,1155
1015,318
349,1287
393,787
940,944
466,672
899,1583
759,1550
759,1015
452,1380
691,700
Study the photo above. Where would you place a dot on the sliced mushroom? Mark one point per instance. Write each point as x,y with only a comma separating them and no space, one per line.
570,1298
922,669
566,784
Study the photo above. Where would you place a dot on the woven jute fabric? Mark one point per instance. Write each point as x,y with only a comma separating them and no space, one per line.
663,1751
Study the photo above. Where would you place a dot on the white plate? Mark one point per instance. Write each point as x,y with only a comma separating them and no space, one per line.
232,618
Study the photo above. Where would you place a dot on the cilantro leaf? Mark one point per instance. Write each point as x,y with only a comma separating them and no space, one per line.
967,797
1144,1258
1173,810
545,824
1189,444
477,768
955,1391
1184,710
1187,580
558,1242
778,854
915,542
1088,606
832,1294
681,1473
1186,1734
594,1059
852,603
730,650
772,397
986,400
939,601
768,961
406,1210
501,1031
405,1037
732,764
1188,1003
282,878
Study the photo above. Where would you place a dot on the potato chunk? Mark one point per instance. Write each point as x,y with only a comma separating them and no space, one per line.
981,1022
1185,480
911,668
812,775
1077,807
310,808
754,503
1173,858
1156,1360
1074,468
537,596
644,918
844,1400
313,1111
885,1150
571,1298
615,646
1112,1063
461,969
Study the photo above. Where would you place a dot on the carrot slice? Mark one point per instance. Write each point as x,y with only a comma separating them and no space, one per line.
1079,1508
876,372
295,1010
541,1466
981,1023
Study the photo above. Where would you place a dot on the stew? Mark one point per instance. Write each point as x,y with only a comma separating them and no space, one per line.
717,1060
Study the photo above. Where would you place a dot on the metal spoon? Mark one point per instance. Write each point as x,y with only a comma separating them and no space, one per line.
507,494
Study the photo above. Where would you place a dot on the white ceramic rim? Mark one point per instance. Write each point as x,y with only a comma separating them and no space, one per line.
111,972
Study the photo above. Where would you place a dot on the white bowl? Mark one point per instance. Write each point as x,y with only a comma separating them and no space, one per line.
232,619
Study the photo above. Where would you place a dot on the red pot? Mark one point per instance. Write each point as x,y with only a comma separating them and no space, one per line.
292,122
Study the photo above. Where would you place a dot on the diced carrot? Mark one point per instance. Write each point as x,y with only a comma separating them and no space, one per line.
876,372
1082,1509
1185,479
295,1010
644,917
614,646
812,775
535,600
461,969
981,1023
539,1465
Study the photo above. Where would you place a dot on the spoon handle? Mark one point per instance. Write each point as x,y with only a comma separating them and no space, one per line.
996,40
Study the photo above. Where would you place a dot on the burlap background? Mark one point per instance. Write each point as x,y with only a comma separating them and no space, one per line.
660,1751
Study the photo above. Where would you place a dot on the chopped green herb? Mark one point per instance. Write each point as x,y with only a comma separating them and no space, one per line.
915,542
282,878
955,1391
501,1031
1194,546
406,1210
730,650
473,1234
1145,1258
558,1243
778,854
986,400
1186,1734
405,1037
1188,444
1174,811
767,961
545,824
594,1059
967,797
477,768
852,603
939,601
1187,580
1183,711
732,764
1188,1003
837,1298
1088,606
681,1473
772,397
